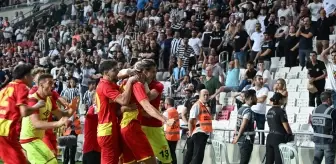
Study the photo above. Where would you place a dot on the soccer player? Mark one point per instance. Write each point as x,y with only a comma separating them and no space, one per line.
136,147
33,127
91,149
151,126
13,106
107,98
49,138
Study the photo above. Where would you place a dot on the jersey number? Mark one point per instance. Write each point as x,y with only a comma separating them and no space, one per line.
4,94
164,153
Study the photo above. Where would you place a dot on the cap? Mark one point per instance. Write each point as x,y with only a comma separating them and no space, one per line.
277,97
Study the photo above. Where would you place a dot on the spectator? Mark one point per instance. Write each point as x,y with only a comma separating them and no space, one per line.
257,38
291,48
264,73
248,76
241,42
317,74
267,51
323,30
280,87
305,33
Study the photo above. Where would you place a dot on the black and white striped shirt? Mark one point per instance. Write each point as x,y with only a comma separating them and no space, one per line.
176,42
70,93
141,23
184,54
176,27
87,98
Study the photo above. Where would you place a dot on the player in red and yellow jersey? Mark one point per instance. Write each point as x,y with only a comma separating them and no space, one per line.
136,147
34,126
151,126
13,106
49,138
107,99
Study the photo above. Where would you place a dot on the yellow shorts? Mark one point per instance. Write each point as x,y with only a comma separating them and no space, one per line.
38,152
157,139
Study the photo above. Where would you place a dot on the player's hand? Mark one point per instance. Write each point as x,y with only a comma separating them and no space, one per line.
133,79
62,121
39,104
74,103
170,122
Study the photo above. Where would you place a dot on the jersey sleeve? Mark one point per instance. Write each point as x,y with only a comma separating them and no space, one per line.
110,92
139,91
31,102
21,95
55,95
159,87
54,104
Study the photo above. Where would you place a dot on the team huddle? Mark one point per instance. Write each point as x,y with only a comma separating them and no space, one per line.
129,121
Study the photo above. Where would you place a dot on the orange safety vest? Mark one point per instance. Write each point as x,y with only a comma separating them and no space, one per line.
77,125
204,118
173,132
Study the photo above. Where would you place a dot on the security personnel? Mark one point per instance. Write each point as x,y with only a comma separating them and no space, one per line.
172,132
279,129
245,127
200,127
323,122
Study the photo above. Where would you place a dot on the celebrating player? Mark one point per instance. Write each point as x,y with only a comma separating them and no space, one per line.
33,127
136,147
108,129
50,138
13,106
151,126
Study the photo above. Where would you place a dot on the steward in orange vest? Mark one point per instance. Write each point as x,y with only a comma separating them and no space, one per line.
173,132
200,127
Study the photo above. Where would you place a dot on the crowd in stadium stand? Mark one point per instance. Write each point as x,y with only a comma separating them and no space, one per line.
197,42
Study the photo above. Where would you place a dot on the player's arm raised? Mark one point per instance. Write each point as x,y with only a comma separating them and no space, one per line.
141,96
72,107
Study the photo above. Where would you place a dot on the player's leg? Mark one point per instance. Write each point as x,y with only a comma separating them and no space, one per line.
10,149
38,152
52,144
110,147
159,144
136,139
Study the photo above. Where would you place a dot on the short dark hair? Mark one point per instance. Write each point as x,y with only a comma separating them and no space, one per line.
92,82
170,101
325,96
261,61
313,52
107,65
43,77
249,93
250,62
21,70
200,87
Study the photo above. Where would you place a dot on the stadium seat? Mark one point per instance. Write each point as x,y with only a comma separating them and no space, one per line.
302,102
303,118
295,81
279,75
306,110
292,110
165,76
288,152
292,87
304,95
291,102
291,118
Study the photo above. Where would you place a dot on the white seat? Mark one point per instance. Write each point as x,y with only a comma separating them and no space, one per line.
295,126
292,87
296,69
304,95
220,151
222,96
288,152
284,69
159,76
307,110
303,118
292,75
292,110
279,75
302,88
294,81
302,102
295,95
291,118
306,128
269,95
165,76
291,102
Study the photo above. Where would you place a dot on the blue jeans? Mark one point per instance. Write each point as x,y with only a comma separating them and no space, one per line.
303,57
241,56
327,150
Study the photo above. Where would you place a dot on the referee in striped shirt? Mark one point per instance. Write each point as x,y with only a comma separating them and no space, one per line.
185,53
176,42
71,91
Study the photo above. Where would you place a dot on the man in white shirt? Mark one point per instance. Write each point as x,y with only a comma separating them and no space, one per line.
264,73
260,108
7,33
315,8
250,24
285,12
19,34
257,37
195,43
331,70
87,8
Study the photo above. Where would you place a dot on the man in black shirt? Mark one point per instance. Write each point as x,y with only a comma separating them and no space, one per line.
240,44
305,33
267,51
317,73
323,29
216,38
